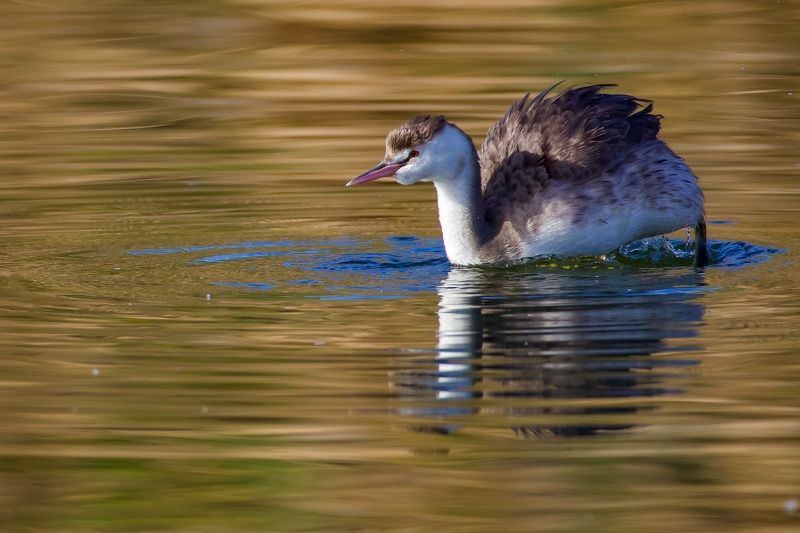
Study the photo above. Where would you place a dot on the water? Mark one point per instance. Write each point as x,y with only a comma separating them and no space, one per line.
201,329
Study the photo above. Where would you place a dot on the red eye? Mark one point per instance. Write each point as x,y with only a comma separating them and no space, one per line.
413,153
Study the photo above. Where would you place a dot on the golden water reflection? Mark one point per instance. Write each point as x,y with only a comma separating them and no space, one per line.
139,394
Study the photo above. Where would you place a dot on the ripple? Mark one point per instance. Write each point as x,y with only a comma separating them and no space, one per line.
400,266
338,269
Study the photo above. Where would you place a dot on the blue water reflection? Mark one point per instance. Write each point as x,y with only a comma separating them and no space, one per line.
398,267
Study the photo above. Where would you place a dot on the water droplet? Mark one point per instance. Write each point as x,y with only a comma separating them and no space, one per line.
208,297
204,410
95,372
790,506
790,93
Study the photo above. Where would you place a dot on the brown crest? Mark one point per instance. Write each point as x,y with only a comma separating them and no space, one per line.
414,132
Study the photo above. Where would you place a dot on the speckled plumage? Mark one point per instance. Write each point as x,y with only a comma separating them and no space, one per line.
591,153
573,138
577,134
578,173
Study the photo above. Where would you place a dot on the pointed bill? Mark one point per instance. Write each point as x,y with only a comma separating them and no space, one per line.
381,171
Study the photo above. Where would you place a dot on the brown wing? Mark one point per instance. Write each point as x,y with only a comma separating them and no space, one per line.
576,135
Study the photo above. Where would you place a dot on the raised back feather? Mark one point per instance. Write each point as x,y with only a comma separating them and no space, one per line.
576,135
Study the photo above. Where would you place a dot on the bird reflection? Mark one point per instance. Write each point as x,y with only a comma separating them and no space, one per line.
549,344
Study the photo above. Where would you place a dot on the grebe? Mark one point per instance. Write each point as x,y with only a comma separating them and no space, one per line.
580,173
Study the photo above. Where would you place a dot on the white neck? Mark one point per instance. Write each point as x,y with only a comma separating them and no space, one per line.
461,213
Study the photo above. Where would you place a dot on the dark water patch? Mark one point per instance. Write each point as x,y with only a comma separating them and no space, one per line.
225,258
740,254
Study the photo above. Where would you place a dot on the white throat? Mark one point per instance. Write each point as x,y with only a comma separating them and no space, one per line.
461,212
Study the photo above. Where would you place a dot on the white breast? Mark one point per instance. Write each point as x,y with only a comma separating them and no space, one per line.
559,236
604,228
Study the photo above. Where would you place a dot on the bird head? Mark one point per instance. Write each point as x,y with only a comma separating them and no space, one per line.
426,148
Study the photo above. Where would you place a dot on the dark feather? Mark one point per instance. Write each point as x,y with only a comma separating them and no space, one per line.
576,135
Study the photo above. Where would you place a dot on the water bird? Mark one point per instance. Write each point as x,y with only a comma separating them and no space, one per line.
578,173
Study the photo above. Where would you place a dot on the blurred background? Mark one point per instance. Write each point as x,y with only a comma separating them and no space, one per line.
201,329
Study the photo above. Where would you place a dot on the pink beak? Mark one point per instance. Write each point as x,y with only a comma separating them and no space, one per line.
381,171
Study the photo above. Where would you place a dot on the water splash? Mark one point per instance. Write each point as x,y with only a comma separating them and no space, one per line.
662,252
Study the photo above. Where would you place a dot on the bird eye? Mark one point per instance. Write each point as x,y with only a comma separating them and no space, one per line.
413,153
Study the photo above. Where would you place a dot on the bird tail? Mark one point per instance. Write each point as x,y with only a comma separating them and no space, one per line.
701,256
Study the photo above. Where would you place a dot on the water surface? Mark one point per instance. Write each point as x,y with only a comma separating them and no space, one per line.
203,330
